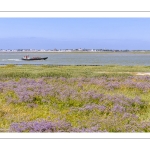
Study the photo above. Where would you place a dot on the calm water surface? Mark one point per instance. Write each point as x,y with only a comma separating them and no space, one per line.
63,58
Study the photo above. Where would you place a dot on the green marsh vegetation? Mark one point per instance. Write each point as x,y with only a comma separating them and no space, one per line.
33,71
74,98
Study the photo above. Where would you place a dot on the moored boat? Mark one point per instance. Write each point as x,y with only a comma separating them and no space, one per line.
34,58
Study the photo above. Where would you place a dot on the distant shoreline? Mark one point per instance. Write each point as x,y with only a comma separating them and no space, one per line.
75,52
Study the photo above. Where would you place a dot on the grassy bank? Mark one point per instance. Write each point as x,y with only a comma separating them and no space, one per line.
69,71
74,99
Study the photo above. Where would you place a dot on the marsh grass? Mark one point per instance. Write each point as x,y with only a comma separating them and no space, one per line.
69,71
87,98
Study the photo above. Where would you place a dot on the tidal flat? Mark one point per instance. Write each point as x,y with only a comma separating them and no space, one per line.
49,98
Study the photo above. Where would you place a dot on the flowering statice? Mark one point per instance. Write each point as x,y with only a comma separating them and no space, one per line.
40,126
91,107
118,109
89,104
113,85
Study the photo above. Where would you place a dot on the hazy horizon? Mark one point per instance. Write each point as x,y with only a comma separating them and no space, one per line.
72,33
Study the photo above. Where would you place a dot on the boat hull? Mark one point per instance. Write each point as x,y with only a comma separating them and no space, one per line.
36,58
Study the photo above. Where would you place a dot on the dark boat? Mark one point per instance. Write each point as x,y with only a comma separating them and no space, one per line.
34,58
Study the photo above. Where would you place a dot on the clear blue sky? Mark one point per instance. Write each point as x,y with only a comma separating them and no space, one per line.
50,33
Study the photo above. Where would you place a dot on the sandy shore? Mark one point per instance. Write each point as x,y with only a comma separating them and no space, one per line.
136,73
143,73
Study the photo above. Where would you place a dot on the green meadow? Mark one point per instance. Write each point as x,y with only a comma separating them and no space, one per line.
33,71
50,98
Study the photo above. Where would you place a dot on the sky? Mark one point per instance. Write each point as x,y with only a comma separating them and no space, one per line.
72,33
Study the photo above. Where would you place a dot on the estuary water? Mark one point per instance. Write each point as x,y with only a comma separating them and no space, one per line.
83,58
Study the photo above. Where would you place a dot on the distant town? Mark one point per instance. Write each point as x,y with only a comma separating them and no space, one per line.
69,50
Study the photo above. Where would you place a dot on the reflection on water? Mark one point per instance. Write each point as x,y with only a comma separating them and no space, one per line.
78,58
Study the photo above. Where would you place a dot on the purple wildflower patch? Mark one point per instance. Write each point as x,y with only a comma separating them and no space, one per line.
40,126
92,99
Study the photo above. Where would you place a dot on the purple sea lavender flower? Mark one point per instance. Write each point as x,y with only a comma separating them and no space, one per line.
40,126
137,100
126,115
102,108
118,109
113,85
91,107
31,126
